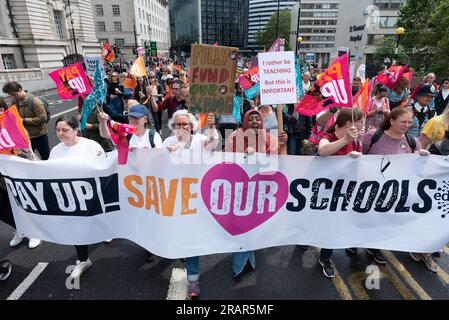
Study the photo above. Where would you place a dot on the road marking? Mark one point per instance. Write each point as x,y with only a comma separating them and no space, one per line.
407,276
64,112
178,285
23,287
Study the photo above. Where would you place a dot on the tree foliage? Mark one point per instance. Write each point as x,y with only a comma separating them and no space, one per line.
426,40
386,52
266,37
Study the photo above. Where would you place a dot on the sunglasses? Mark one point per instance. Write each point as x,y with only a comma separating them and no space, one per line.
183,125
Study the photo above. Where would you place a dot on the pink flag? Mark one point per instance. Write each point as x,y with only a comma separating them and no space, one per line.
333,88
276,47
392,76
71,81
119,132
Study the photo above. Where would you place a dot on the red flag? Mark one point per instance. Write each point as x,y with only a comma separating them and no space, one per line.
362,97
118,132
333,88
392,76
107,53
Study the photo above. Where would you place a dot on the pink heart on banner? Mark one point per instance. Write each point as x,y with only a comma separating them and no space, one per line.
240,204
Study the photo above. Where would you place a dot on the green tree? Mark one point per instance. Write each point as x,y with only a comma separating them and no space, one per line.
426,40
386,51
266,37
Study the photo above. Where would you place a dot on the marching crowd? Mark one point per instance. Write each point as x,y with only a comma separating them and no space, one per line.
395,121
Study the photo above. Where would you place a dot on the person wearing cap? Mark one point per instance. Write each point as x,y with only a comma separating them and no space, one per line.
442,98
138,117
421,109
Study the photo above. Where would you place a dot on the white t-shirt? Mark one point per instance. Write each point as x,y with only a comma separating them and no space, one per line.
143,142
83,148
197,143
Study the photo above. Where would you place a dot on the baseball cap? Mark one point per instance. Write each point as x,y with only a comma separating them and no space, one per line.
138,111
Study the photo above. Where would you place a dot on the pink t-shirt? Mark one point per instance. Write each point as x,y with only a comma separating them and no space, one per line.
387,145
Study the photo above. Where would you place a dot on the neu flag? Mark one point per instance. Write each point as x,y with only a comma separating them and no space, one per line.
333,88
107,53
97,96
12,133
71,81
392,76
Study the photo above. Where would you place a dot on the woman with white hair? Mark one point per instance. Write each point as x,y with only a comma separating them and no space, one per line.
184,124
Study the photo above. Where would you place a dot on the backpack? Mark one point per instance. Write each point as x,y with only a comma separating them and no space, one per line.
151,134
44,101
378,134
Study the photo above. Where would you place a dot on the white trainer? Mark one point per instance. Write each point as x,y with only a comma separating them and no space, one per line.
16,240
34,243
80,268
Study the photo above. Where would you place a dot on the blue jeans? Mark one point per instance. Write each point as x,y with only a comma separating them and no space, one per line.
239,260
193,268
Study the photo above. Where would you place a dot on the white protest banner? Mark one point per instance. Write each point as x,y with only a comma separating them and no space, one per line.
91,65
229,203
277,78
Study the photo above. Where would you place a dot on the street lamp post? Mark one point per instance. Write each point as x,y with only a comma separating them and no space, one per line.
399,32
298,44
73,28
297,29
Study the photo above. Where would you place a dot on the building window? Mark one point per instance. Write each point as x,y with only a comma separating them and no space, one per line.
101,26
58,24
99,10
118,26
8,61
120,42
116,10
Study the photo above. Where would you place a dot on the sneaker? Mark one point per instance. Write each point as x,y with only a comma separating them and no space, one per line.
430,264
80,268
376,255
238,277
107,241
328,268
436,254
34,243
415,256
194,289
351,251
16,240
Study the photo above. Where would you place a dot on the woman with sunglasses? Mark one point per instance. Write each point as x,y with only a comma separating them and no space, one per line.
183,125
442,98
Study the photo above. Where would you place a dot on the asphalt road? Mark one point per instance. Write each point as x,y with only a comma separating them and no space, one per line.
120,270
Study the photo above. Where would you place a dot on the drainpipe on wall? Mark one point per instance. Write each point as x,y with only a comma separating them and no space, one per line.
14,31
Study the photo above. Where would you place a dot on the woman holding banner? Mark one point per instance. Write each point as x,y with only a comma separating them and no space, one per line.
73,146
341,139
393,138
184,124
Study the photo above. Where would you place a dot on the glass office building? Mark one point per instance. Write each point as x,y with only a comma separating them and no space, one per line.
208,22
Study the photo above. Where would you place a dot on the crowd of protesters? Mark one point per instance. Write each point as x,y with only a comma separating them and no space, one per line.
395,121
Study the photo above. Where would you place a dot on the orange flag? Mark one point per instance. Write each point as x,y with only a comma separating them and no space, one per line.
138,68
361,98
107,53
202,120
